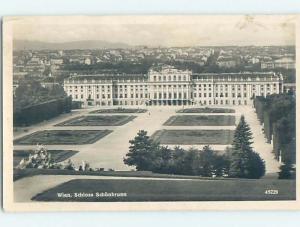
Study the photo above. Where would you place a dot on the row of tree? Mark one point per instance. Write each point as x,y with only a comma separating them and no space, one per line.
277,113
43,111
143,66
239,161
34,103
30,92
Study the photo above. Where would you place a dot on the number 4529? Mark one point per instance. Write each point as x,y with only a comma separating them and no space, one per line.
271,192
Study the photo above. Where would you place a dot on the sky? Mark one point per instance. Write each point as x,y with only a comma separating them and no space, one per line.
161,31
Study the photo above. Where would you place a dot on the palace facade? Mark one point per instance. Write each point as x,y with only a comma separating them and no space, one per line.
165,85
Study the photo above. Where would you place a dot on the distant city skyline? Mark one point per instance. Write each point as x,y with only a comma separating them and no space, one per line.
159,32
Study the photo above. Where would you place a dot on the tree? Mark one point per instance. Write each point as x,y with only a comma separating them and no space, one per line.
257,167
244,162
163,160
286,171
191,162
280,121
207,162
30,92
141,152
178,160
211,163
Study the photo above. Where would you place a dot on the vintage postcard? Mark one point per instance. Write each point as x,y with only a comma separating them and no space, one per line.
193,112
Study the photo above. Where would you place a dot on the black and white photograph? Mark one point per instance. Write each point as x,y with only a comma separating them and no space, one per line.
191,112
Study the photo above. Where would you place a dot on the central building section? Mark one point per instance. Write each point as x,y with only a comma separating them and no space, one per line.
169,86
164,85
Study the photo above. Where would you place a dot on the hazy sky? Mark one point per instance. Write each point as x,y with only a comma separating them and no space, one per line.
159,31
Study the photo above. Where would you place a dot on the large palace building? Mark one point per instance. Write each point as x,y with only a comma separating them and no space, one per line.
165,85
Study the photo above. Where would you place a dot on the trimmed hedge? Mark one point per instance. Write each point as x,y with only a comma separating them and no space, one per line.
277,113
43,111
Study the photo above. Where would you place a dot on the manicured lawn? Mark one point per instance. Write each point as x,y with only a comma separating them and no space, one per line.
57,155
120,110
29,172
171,190
49,137
206,110
191,137
101,120
200,120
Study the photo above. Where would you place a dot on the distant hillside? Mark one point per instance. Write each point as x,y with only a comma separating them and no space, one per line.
87,44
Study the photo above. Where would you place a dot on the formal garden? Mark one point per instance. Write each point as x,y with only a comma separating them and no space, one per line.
200,120
62,137
193,137
209,174
119,110
99,120
206,110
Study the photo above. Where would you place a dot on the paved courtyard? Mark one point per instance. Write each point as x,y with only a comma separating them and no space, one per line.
109,151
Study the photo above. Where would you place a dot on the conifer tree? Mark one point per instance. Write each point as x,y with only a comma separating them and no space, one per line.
142,152
286,171
245,163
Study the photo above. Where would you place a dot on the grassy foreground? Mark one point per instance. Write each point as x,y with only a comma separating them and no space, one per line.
22,173
106,190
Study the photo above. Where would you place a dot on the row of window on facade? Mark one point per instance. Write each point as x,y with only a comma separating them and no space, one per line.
108,103
108,96
97,86
145,91
169,96
200,95
224,102
90,97
115,92
175,86
204,86
169,78
239,86
129,102
226,95
108,91
120,89
221,95
205,102
141,95
137,80
107,86
170,86
235,79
